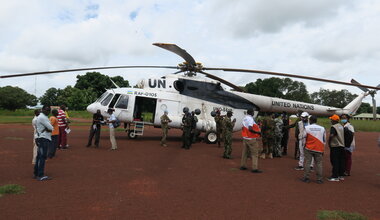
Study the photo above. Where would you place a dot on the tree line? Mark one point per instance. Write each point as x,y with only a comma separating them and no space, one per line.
91,85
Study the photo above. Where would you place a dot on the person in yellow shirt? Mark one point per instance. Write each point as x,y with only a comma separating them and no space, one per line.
54,134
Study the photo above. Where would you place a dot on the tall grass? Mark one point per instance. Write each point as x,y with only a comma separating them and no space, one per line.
339,215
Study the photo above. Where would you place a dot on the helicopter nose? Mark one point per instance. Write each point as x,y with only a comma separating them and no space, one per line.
92,108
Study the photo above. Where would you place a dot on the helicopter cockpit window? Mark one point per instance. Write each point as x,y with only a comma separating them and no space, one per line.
102,97
123,102
107,100
115,98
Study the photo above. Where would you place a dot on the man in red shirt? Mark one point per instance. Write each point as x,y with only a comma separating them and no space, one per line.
62,124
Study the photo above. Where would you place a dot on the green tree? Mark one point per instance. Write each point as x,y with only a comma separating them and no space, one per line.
99,82
279,87
76,99
51,97
13,98
333,98
364,108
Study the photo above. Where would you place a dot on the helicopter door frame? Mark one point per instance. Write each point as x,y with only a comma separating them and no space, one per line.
142,106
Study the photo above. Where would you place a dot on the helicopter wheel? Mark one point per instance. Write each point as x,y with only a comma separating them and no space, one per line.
131,134
211,137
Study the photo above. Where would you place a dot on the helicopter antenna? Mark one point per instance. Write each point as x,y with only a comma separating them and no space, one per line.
113,83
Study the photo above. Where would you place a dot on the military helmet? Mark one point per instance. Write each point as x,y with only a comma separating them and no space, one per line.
197,111
213,113
185,109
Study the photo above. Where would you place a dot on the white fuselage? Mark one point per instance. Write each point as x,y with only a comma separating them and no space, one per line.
174,92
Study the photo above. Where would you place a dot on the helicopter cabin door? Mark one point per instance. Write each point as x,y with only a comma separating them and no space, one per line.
144,109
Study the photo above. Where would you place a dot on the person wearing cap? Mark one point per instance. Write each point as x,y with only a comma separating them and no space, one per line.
301,140
165,120
315,136
251,135
336,145
186,128
219,126
228,125
110,121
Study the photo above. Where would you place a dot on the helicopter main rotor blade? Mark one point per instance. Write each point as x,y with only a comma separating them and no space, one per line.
84,69
289,75
362,88
237,88
179,51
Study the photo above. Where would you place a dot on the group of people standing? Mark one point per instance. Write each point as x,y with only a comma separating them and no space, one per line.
50,134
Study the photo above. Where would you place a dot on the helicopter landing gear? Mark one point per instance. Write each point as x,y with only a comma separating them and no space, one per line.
132,134
210,137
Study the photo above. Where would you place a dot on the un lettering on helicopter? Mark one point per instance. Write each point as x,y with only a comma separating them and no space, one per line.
145,104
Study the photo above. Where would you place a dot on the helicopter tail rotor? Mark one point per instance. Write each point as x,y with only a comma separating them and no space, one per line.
372,93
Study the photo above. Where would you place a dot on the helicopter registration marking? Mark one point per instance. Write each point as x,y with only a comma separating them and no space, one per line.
149,94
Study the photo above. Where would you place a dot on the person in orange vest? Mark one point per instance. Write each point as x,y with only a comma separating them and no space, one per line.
251,142
315,136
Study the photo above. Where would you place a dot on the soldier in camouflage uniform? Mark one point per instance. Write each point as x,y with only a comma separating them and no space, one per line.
186,128
219,126
228,127
267,130
277,151
165,120
194,130
296,134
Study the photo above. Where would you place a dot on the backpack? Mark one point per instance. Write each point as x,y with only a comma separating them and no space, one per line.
116,123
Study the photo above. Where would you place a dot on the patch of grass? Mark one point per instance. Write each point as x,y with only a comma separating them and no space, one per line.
11,189
339,215
359,125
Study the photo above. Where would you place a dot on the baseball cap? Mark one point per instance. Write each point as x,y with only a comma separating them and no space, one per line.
304,114
334,118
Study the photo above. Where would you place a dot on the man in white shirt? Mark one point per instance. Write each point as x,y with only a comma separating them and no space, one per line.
110,121
43,130
34,123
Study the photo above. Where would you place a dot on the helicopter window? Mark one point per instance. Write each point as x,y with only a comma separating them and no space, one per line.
178,85
123,102
102,96
115,98
107,100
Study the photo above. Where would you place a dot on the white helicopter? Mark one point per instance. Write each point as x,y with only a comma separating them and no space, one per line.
144,105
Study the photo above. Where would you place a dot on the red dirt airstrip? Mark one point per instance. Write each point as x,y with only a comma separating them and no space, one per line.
142,180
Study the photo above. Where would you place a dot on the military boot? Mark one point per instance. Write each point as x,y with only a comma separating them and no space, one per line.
262,156
270,156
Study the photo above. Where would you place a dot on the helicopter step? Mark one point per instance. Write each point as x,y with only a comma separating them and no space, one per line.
134,129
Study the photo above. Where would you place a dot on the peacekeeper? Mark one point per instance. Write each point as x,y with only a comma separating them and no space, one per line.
219,126
277,152
186,128
267,130
228,128
165,120
251,142
194,131
296,133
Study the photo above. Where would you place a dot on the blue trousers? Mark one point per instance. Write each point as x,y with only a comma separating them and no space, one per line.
42,148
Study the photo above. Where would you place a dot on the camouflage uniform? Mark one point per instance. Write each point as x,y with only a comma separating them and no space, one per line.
164,125
277,137
296,133
219,127
227,134
186,136
267,130
194,130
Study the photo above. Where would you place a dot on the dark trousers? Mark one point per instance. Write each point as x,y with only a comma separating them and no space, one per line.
53,146
186,138
93,132
348,156
42,148
337,161
284,142
62,136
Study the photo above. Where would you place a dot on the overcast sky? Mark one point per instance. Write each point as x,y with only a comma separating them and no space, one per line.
333,39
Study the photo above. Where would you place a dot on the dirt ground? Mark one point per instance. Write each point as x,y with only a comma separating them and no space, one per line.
142,180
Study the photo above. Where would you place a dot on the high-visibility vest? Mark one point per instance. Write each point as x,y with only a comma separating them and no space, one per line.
315,138
246,133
